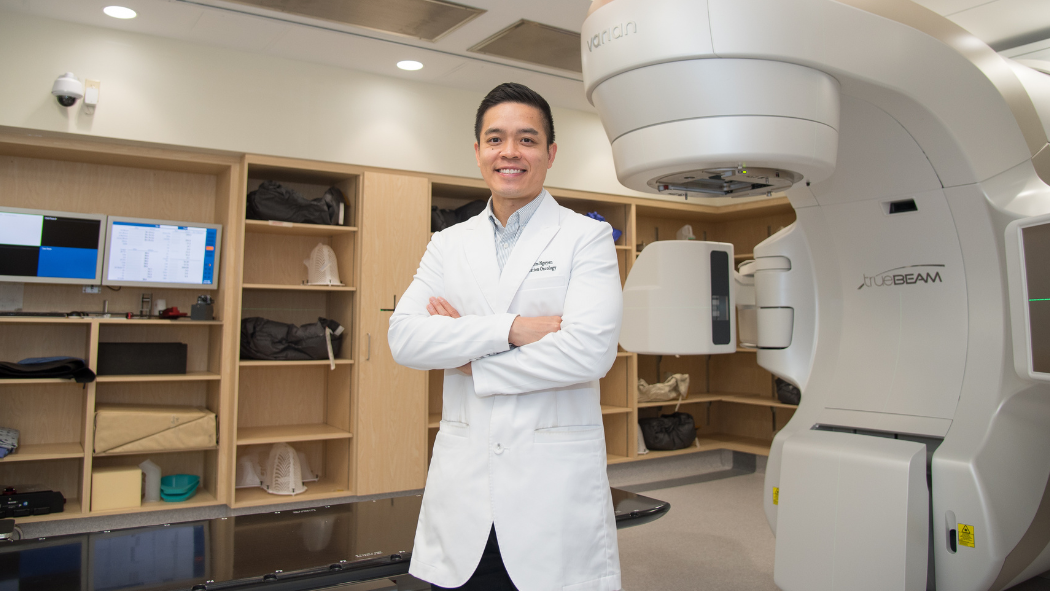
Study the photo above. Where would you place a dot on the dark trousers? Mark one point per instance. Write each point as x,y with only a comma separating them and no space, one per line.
490,575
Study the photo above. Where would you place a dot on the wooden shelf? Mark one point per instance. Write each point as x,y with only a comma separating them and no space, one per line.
740,349
744,256
193,376
613,410
277,286
624,247
291,229
757,400
690,399
154,451
72,511
202,498
112,320
434,420
624,353
158,321
752,399
44,451
290,363
23,382
322,489
289,434
615,459
42,320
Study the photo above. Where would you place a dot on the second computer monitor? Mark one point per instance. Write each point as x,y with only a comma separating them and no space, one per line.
160,253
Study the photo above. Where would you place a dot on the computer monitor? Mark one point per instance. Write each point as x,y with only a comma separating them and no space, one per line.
38,246
159,253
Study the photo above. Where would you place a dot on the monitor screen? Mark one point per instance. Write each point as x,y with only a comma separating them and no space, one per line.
161,253
50,246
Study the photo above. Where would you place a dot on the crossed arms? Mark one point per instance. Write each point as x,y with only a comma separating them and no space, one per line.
581,347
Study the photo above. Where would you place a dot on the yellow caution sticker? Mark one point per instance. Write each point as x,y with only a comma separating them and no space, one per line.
776,495
966,535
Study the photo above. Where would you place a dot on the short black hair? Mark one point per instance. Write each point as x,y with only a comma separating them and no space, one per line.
511,92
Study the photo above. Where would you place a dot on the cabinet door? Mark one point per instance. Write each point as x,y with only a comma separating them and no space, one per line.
391,431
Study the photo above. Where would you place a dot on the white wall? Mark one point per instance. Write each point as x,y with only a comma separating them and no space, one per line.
173,92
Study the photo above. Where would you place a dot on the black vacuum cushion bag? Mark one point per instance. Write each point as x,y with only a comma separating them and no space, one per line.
673,431
267,339
47,368
271,201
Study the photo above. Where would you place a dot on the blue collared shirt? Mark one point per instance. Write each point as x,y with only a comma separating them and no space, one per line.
507,237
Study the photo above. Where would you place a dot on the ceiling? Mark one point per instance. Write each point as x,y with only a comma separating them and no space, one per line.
1003,24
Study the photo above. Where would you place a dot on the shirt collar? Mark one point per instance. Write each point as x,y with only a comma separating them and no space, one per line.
519,218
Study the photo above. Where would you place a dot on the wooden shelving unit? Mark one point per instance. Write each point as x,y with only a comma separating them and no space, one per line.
55,418
304,403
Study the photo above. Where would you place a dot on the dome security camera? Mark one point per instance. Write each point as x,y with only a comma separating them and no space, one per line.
68,89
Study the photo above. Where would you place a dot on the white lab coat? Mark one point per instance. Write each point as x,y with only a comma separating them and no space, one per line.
521,443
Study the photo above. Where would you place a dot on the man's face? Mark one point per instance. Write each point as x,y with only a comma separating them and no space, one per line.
513,155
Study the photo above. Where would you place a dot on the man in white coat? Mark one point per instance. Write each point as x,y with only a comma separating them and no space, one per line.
521,306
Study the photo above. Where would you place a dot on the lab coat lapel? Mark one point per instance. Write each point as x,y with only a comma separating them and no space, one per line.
481,255
536,236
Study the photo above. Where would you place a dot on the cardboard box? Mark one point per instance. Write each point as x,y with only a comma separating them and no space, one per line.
122,428
116,488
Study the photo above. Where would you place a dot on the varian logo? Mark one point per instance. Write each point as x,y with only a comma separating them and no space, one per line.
893,277
611,34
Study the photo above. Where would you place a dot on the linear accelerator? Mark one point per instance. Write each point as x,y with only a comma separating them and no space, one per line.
910,301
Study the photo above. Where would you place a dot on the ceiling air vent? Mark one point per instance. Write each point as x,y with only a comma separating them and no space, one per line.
528,41
423,19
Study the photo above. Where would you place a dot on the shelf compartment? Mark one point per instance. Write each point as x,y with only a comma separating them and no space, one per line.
289,434
203,346
201,463
277,259
35,339
62,475
192,376
302,307
298,287
293,229
49,419
44,451
293,362
330,459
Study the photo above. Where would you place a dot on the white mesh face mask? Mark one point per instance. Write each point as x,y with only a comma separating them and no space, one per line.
321,266
284,475
249,471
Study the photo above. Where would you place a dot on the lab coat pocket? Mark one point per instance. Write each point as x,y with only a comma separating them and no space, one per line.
453,433
568,434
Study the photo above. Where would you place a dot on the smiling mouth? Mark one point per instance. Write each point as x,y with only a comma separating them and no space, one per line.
510,170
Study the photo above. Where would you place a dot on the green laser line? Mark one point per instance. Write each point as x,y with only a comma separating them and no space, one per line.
1039,300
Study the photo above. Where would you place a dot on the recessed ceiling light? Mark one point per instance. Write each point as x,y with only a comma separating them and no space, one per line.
409,65
119,12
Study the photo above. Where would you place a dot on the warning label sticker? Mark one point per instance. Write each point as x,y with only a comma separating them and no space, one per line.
776,495
966,535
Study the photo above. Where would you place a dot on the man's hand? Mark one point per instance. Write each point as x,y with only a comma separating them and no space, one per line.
441,307
526,330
